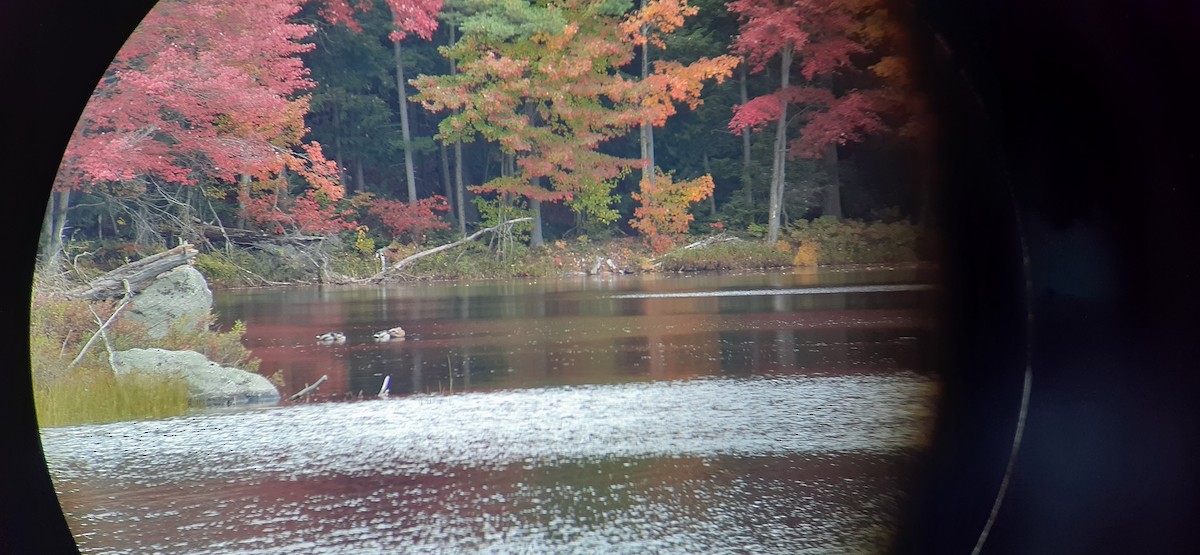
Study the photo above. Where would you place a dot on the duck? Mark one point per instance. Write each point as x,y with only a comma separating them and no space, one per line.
390,334
332,337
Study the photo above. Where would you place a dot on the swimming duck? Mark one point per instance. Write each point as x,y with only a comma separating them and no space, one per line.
388,335
332,337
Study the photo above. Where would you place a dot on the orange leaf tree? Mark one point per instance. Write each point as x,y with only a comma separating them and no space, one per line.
663,217
543,82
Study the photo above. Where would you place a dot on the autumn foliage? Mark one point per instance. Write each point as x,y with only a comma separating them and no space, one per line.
829,119
308,214
418,17
663,217
209,92
410,220
202,121
552,95
202,90
823,36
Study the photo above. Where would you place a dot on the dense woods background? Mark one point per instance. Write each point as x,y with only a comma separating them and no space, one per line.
414,121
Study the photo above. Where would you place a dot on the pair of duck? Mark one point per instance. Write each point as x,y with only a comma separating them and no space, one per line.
385,335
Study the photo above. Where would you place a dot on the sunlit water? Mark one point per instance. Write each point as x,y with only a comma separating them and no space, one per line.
587,416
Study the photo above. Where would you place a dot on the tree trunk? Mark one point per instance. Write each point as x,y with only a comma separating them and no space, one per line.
337,147
460,187
46,237
409,176
55,223
746,184
647,131
832,204
458,160
446,179
360,183
778,170
243,192
535,238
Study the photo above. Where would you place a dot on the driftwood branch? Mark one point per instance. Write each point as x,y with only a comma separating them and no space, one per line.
413,258
719,238
101,332
309,389
135,276
703,243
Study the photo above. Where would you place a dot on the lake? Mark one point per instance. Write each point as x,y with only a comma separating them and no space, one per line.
713,413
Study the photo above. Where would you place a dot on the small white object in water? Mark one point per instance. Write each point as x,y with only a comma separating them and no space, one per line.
383,391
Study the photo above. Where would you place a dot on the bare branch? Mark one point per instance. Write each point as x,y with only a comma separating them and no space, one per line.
413,258
103,326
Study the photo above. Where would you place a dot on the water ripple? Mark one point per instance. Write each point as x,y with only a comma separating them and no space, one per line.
784,464
763,416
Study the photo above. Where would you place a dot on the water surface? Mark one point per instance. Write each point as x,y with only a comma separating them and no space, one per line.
760,413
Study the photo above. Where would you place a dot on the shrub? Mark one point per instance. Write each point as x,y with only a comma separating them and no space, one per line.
411,221
218,268
663,216
807,254
854,241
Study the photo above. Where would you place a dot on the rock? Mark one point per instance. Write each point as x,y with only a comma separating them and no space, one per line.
178,297
209,383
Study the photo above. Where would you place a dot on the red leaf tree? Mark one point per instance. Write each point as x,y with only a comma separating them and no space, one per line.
205,92
410,220
816,37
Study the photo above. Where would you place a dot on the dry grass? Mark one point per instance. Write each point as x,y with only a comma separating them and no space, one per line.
86,397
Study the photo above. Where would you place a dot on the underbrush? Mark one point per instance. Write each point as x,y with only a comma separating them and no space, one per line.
830,241
824,241
69,392
476,261
727,255
247,267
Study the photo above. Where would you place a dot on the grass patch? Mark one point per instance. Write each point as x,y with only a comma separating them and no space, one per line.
97,396
728,255
476,261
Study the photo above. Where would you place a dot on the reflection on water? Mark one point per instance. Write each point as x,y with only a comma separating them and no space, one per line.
583,419
507,334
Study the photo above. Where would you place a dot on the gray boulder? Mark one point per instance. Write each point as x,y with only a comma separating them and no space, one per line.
209,383
178,297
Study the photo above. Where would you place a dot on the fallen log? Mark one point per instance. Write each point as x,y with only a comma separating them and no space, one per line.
413,258
135,276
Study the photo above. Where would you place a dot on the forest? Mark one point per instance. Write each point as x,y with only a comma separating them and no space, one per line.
297,139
